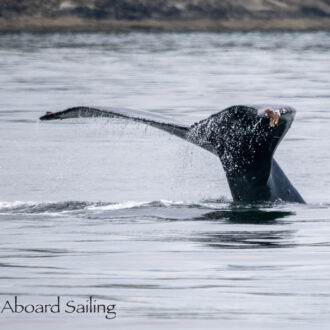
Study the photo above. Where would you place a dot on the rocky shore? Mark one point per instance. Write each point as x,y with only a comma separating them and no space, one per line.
163,15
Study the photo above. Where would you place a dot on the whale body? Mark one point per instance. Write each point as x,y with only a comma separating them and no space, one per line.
244,137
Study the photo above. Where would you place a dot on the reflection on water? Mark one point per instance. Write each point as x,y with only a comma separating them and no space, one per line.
251,215
248,239
144,220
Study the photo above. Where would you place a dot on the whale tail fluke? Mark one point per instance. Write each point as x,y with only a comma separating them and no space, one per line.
147,118
243,137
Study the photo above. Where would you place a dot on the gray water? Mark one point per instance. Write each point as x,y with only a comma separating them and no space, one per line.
137,218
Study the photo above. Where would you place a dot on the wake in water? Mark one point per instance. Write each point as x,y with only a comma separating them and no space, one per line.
73,206
205,210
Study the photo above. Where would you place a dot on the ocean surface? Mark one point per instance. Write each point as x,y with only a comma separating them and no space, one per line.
135,217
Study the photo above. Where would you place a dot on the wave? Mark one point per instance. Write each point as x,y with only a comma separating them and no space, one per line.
32,207
204,210
21,207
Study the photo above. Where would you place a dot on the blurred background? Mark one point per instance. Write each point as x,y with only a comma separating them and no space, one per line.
163,15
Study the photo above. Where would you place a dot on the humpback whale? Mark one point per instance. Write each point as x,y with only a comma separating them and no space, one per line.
244,137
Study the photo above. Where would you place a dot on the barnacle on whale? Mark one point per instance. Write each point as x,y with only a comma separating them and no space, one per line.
273,116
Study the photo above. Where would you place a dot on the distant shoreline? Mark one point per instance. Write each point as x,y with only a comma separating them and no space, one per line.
75,24
163,15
